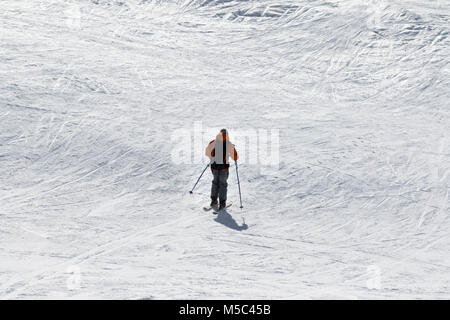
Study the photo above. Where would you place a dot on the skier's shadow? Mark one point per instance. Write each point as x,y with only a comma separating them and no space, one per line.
227,220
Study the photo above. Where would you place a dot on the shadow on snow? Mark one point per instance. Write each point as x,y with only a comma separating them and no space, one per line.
227,220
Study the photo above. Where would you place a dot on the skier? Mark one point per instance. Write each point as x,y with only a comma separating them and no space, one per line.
219,151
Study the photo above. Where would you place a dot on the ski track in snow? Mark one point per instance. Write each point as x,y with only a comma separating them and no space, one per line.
92,91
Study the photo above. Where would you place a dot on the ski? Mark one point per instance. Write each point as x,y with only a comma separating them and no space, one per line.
208,207
217,211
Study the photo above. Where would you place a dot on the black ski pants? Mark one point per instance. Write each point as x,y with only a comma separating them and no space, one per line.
219,185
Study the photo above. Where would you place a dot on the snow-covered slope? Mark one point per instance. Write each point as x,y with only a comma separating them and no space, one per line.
93,205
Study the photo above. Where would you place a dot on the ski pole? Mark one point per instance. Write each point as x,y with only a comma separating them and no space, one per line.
239,185
199,178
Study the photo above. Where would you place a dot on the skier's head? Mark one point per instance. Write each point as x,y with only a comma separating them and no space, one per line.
223,135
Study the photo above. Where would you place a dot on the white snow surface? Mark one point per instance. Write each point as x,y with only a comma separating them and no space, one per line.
92,204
